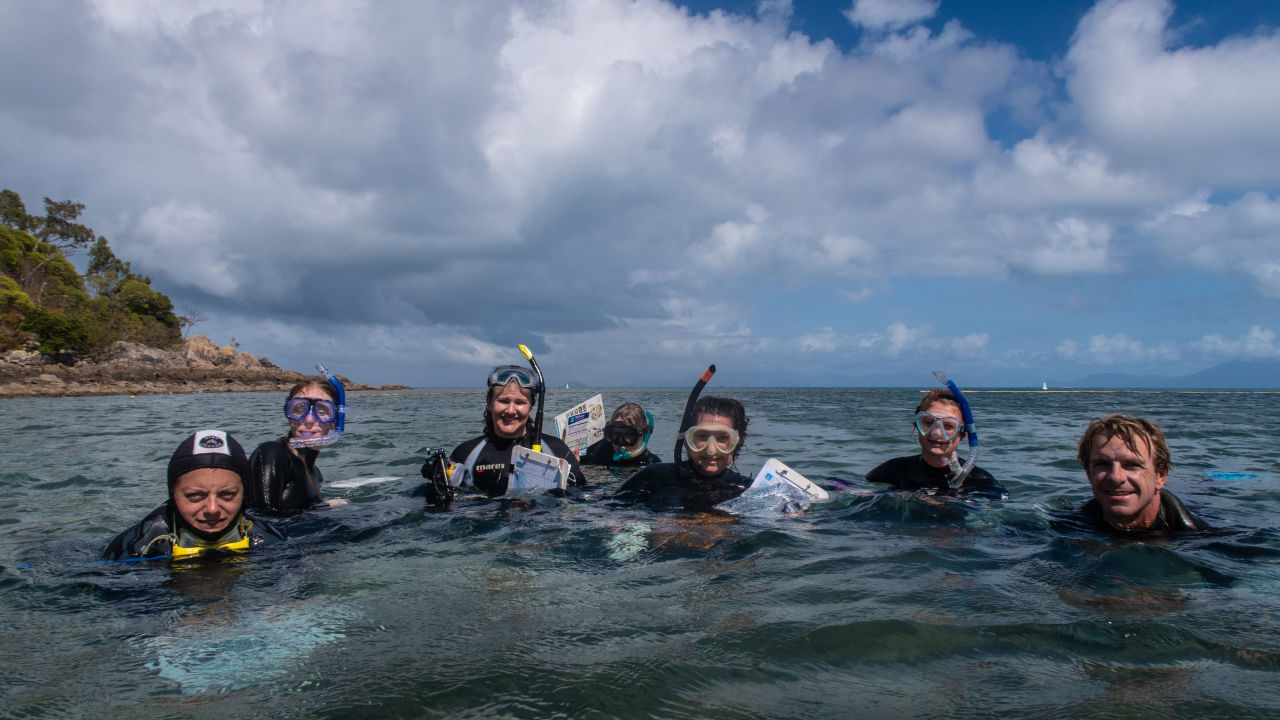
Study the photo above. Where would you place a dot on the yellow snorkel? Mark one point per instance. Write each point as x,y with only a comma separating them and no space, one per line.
542,396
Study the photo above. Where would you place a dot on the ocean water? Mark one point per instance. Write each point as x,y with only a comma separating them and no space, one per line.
877,605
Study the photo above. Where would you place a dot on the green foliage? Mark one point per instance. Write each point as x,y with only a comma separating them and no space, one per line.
43,298
13,213
55,332
59,227
14,306
105,270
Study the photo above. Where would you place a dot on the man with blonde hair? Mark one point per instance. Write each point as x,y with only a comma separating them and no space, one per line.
1127,462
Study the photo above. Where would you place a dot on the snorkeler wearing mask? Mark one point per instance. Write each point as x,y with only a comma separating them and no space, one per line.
714,439
626,440
283,476
205,511
485,461
939,428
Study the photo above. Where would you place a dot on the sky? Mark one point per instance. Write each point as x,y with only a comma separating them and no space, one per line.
801,192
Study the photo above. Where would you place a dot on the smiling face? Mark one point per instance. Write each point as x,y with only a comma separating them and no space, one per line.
209,499
1125,482
310,427
710,464
935,448
509,410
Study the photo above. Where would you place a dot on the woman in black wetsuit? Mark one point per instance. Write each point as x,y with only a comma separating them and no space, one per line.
205,510
485,461
626,440
283,475
714,441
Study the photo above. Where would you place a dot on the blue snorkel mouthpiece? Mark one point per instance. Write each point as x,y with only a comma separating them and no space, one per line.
338,425
958,472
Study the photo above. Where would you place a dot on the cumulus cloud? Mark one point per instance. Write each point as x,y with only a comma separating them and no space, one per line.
1239,238
577,171
1203,114
1117,349
1257,344
896,341
890,14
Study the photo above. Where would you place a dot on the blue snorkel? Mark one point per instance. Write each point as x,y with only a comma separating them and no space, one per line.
958,473
338,425
644,443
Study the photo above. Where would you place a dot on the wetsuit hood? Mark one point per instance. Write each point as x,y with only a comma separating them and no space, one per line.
207,449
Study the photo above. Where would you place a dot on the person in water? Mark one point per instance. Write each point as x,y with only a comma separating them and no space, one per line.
705,479
626,440
1127,462
283,476
939,429
485,461
205,510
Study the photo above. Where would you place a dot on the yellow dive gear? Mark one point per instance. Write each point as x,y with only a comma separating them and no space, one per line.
235,540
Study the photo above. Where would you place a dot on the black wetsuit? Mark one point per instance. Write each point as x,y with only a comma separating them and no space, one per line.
278,478
666,486
492,467
149,537
913,473
1173,517
601,453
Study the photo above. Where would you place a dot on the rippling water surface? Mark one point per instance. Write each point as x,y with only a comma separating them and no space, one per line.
871,605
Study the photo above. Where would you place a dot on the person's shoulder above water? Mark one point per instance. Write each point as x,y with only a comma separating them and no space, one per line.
144,539
602,453
1172,517
913,473
154,535
668,486
463,449
278,478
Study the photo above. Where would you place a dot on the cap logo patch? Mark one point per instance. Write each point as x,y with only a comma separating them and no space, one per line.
210,441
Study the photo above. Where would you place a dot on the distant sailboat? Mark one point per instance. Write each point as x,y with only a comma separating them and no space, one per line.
1044,385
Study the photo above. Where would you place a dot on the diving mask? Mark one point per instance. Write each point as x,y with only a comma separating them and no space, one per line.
622,434
926,423
338,417
711,439
504,374
297,409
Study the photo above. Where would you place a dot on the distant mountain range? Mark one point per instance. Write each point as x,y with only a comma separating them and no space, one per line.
1239,374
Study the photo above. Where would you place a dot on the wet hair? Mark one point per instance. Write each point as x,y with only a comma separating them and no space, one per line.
325,386
937,395
1132,430
495,391
631,413
727,407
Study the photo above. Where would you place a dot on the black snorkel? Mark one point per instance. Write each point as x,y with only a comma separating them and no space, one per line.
686,422
542,396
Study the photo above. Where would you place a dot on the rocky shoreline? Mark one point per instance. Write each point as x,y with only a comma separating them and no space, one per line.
132,369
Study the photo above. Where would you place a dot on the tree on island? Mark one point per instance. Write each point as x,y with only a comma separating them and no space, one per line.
44,301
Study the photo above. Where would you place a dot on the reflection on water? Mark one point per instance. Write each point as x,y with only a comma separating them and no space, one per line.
870,604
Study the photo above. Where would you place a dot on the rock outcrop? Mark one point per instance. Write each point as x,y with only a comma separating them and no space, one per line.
133,369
